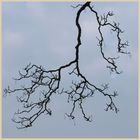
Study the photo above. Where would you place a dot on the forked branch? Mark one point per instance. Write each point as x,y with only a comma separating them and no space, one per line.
50,80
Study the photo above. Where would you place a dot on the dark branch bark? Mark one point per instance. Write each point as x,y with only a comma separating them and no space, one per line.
39,77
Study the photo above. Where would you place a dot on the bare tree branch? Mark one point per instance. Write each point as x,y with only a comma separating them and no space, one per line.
79,91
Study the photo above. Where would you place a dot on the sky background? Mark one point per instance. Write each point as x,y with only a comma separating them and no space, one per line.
45,34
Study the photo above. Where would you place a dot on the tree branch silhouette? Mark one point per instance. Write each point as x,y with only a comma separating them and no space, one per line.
39,77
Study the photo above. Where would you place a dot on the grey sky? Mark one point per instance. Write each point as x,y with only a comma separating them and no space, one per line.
45,34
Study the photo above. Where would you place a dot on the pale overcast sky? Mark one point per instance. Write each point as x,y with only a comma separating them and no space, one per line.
45,34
